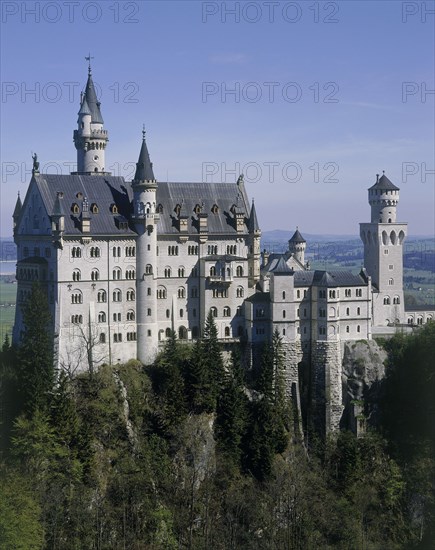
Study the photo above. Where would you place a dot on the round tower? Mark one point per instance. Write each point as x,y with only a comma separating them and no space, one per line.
297,245
383,199
145,218
90,138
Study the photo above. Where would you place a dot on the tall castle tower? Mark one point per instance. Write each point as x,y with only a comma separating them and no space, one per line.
297,245
90,138
383,252
254,253
145,219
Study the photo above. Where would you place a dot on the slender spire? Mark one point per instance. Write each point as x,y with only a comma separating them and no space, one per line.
58,207
18,207
253,224
144,166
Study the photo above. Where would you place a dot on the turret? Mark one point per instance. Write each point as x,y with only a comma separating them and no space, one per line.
254,254
383,199
145,219
297,245
90,138
58,219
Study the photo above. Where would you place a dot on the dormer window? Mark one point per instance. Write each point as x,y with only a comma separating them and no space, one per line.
94,208
113,208
176,209
160,209
79,195
215,209
197,209
75,208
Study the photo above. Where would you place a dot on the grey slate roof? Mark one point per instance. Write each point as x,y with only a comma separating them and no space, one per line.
224,195
105,191
18,207
297,238
84,108
144,166
337,278
384,183
101,190
280,267
92,101
58,209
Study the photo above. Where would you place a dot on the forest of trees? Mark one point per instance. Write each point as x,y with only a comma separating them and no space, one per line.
196,453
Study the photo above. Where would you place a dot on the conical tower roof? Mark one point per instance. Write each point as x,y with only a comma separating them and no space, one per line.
92,101
84,107
144,166
18,207
384,183
253,221
297,238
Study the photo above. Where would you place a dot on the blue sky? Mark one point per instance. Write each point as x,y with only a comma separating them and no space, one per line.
325,95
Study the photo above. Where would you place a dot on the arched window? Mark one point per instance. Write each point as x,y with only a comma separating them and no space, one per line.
168,314
117,295
102,338
168,333
239,271
76,297
161,292
181,271
396,300
213,311
76,252
240,292
283,294
130,273
181,292
131,316
283,313
227,332
391,282
102,296
298,294
167,272
95,275
94,252
227,311
212,271
102,317
117,274
182,333
387,301
148,269
76,275
131,295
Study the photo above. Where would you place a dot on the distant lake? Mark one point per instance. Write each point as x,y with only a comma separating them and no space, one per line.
7,267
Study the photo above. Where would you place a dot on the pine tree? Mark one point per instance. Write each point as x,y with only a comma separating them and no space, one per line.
198,381
35,355
172,384
212,351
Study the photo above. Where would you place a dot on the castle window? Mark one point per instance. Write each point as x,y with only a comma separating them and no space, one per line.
131,336
297,313
95,252
391,282
193,312
347,328
212,249
102,317
117,274
130,274
181,271
387,301
240,292
227,311
227,332
386,251
391,267
76,275
149,269
181,292
117,295
283,313
168,314
160,209
76,252
77,319
95,275
396,300
358,311
149,291
358,328
239,271
192,250
213,311
76,297
197,209
167,272
75,208
298,294
130,251
168,333
94,208
131,316
102,296
181,313
283,294
215,209
102,338
172,250
113,208
347,311
161,292
359,292
347,293
131,295
116,317
182,333
149,312
194,271
177,209
212,271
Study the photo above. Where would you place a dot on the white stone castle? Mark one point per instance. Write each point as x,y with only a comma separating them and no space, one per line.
125,263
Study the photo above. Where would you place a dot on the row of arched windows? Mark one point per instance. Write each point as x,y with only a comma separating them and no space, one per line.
387,300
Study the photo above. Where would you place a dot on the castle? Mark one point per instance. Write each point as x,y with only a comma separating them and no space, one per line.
126,263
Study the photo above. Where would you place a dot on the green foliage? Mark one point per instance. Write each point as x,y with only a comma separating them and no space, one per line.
35,354
20,527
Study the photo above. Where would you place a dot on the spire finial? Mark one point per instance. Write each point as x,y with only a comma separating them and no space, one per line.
143,132
88,59
377,178
383,172
18,194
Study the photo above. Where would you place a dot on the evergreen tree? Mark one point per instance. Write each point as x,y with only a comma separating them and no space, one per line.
211,350
36,371
199,384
